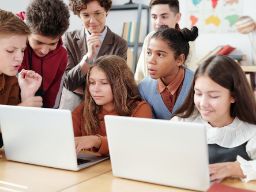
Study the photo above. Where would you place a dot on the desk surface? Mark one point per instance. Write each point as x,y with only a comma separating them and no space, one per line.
98,178
25,177
108,183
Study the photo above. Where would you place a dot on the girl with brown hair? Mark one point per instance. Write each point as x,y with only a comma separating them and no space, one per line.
222,100
85,45
110,90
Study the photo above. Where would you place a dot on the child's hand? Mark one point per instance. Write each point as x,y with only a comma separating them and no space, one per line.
35,101
93,43
219,171
29,82
87,142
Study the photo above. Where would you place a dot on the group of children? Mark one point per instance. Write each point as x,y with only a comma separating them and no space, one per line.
93,68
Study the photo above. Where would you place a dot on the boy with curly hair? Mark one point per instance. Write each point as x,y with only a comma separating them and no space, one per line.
45,54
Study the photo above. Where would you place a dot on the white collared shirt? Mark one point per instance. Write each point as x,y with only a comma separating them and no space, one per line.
232,135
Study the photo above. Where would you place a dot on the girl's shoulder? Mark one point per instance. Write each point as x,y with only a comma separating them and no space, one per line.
189,74
79,109
142,109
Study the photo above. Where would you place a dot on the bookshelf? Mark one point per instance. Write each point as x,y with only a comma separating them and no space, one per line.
249,68
250,72
136,44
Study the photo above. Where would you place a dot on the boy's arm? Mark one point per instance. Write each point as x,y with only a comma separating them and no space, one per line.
74,77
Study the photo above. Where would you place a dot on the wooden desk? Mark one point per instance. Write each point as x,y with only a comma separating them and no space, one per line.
108,183
98,178
24,177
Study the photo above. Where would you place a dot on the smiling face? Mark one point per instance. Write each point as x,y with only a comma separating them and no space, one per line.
213,101
161,14
42,45
100,89
94,17
11,53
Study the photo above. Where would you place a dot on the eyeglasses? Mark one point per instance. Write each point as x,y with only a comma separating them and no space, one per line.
97,16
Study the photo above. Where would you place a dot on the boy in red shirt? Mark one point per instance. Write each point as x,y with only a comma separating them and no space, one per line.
45,54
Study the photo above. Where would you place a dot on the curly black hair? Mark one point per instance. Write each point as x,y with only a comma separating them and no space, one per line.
77,5
48,17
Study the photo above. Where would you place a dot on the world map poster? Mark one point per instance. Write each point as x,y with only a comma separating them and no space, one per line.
216,16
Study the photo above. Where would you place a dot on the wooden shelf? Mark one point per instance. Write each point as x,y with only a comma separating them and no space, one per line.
249,68
136,44
127,7
132,44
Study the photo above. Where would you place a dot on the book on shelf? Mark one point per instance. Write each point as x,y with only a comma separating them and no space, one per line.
227,50
129,32
250,73
130,56
125,30
133,32
248,77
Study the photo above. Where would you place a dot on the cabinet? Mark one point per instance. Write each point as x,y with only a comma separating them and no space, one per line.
136,44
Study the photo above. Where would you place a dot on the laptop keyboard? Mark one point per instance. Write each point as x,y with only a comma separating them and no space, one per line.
82,161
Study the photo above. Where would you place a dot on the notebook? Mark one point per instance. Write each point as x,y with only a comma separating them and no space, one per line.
42,137
159,151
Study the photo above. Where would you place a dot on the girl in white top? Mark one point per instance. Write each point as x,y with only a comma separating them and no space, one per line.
223,101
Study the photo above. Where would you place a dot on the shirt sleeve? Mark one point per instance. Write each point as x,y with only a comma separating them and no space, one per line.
249,167
73,77
103,150
77,115
141,68
122,52
143,110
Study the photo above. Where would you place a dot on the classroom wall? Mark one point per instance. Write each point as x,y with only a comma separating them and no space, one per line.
114,20
208,41
204,43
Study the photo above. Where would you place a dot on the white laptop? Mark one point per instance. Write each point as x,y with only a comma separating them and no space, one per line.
159,151
42,137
